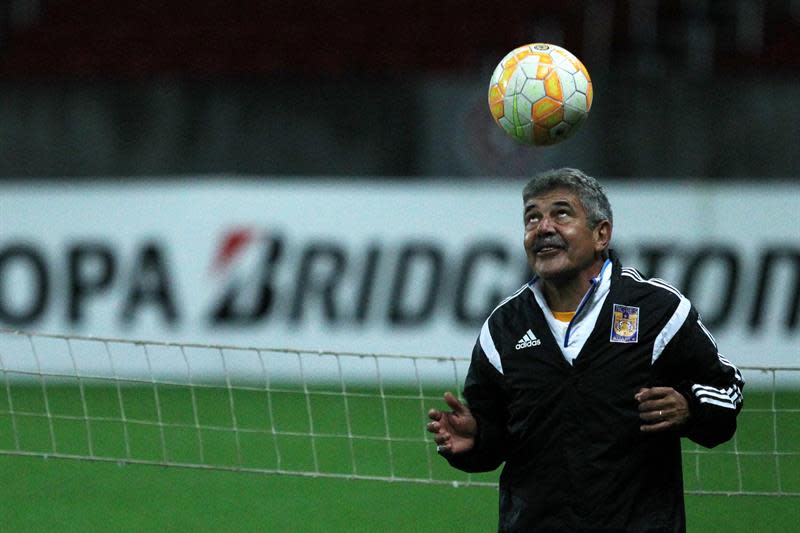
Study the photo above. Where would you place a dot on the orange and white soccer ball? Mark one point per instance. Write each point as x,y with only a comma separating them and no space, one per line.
540,94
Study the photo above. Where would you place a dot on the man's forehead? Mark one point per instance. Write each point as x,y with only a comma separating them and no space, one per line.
554,197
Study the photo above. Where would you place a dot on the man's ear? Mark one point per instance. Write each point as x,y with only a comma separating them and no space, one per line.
602,235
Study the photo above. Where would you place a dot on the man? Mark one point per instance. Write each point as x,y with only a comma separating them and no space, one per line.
583,381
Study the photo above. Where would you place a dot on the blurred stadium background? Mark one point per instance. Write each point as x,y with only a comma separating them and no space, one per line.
326,176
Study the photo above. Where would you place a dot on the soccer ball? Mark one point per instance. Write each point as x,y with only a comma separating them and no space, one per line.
540,94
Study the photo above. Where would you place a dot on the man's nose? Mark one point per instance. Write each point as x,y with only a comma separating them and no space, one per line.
546,226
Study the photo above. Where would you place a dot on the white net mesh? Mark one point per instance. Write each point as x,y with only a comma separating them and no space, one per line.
322,414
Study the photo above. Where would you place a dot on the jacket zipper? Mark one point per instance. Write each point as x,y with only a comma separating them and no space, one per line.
586,297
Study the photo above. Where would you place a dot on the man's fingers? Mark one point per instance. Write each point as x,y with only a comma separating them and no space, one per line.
652,393
453,402
444,449
654,405
655,428
657,415
453,431
664,399
666,409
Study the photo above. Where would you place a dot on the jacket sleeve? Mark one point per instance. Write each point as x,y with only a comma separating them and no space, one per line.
486,400
711,384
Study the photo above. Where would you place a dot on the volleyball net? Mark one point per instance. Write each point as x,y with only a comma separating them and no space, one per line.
308,413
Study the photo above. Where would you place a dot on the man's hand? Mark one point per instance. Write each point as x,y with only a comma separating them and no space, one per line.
454,431
661,409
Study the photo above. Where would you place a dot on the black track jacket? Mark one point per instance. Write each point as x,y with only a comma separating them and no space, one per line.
575,458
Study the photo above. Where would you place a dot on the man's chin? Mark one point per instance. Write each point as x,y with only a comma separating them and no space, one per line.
558,269
555,276
551,270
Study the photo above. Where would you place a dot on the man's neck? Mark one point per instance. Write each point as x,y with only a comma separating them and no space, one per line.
564,295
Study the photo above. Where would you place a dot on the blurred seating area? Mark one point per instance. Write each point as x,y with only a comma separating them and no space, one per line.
703,88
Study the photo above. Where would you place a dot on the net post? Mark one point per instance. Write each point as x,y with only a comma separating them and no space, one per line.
775,448
83,399
270,410
42,380
421,395
309,412
195,412
11,411
120,401
385,408
348,423
232,406
156,397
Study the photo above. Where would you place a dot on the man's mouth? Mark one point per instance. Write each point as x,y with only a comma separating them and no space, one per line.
547,248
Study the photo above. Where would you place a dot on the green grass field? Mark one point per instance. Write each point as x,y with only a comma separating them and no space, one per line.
179,425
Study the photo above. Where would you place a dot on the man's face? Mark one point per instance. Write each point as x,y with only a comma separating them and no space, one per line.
558,241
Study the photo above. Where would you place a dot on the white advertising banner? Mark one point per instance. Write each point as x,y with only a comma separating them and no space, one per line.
368,265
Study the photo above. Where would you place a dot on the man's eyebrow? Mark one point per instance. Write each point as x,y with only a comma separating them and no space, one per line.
557,203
